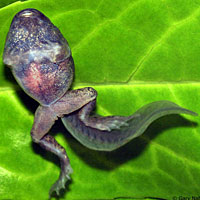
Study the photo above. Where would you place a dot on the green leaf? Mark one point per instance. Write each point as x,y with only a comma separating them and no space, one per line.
132,52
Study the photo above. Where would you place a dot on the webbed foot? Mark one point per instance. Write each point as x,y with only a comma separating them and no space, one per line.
108,123
60,183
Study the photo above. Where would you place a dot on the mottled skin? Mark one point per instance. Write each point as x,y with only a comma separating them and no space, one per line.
41,61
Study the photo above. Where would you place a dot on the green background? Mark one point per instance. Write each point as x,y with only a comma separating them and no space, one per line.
132,52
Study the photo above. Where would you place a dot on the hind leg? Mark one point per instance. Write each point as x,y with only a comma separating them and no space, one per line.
99,122
45,117
44,120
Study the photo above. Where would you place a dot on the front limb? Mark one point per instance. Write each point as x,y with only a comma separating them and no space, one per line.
45,117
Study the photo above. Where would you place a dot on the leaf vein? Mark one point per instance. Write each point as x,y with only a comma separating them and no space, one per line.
173,178
169,151
171,29
71,11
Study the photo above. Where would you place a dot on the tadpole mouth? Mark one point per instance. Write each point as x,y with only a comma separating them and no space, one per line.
27,13
30,13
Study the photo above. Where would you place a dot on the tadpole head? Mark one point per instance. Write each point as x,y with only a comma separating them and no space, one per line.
39,56
32,36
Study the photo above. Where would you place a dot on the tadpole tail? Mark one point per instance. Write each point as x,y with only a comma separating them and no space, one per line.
96,139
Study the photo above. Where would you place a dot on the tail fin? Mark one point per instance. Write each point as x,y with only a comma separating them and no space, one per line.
134,126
